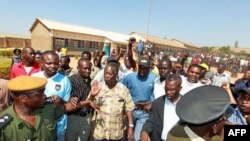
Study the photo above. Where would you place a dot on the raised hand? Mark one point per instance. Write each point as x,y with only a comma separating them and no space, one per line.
94,88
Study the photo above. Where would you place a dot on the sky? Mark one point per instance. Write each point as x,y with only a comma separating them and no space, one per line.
200,22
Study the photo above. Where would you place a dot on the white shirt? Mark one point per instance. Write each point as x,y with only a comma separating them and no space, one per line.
125,70
187,86
170,118
242,62
27,69
218,79
159,88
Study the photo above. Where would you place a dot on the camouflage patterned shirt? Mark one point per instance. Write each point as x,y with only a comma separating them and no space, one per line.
113,105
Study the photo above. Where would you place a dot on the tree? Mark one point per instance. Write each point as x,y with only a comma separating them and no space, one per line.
225,50
207,49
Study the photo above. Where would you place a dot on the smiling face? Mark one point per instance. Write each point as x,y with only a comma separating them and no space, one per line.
50,64
193,74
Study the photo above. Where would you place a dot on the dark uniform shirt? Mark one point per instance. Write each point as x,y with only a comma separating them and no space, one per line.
18,130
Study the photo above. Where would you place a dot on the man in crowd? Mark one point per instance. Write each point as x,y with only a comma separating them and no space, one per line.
94,69
38,55
27,66
220,76
241,114
165,67
243,85
163,116
192,80
65,69
114,101
58,84
78,127
199,121
100,75
141,86
129,65
16,58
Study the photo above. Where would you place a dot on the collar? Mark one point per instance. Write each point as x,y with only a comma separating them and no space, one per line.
35,65
52,77
85,79
239,113
223,74
20,123
168,101
192,135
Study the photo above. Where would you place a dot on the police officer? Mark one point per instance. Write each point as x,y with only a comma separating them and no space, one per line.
202,113
29,118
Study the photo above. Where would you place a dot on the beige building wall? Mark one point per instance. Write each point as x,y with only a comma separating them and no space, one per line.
165,47
77,36
113,46
2,44
41,38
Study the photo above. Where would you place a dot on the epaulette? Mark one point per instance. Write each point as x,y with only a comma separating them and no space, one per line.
5,119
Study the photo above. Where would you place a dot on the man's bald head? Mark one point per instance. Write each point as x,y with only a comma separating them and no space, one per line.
28,55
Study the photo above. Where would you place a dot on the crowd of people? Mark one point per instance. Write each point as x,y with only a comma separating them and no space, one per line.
133,94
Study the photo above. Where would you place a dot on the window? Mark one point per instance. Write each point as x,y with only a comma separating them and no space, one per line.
79,43
59,42
66,43
93,44
75,44
83,44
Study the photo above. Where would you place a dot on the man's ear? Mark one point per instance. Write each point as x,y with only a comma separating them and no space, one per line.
215,128
23,98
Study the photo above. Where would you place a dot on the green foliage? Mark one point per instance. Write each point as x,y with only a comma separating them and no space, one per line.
5,67
225,50
208,49
6,53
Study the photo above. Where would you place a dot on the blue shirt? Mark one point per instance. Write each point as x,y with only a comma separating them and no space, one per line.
237,117
140,46
243,85
141,89
58,85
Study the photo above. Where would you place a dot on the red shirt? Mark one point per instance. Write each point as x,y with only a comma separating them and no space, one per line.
196,60
19,70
